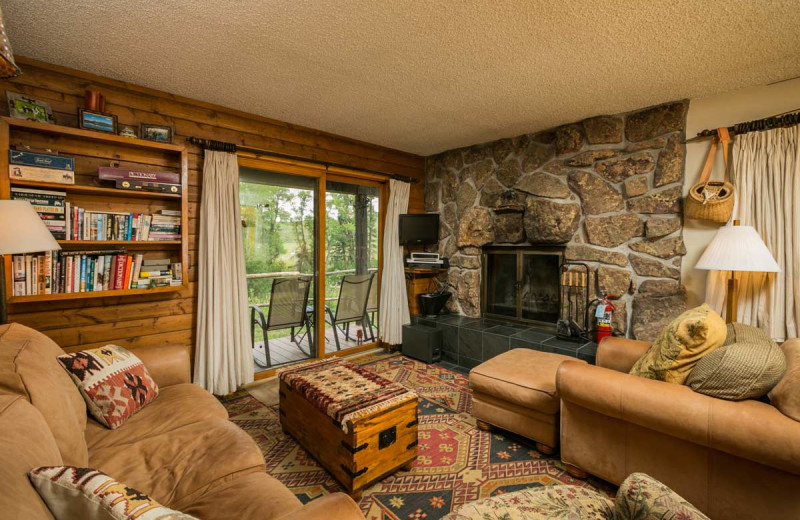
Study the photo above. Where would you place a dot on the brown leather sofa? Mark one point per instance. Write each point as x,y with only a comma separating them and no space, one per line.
181,449
733,460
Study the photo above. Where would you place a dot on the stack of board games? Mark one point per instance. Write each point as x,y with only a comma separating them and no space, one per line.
40,167
50,205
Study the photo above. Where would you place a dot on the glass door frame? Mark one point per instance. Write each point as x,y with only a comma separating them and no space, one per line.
322,174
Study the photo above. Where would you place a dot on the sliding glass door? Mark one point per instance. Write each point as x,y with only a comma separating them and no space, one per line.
279,231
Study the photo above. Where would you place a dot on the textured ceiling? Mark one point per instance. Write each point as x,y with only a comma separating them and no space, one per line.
419,75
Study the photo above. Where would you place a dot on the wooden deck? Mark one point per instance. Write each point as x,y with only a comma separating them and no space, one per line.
283,351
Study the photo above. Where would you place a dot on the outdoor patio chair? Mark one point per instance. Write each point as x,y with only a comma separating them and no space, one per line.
351,305
372,309
287,310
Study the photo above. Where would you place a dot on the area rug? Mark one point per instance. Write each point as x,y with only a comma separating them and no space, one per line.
456,463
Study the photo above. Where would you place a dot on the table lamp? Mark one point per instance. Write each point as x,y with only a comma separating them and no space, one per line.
737,248
21,231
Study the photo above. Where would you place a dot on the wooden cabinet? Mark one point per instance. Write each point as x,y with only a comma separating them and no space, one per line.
420,281
91,150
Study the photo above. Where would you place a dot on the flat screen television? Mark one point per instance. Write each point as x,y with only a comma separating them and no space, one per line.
419,228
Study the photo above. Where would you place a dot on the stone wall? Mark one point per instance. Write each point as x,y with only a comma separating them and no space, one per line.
609,188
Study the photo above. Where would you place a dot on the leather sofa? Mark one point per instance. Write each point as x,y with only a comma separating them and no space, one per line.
733,460
181,449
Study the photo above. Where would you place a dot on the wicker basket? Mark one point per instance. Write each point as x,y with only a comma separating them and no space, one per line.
712,200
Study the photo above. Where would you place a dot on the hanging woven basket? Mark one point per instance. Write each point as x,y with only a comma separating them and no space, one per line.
712,200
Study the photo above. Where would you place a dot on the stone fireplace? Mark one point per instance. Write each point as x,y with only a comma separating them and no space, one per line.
522,283
607,190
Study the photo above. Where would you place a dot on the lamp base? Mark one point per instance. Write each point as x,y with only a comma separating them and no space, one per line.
731,299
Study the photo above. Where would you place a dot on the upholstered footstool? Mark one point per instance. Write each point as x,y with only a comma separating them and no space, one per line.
516,391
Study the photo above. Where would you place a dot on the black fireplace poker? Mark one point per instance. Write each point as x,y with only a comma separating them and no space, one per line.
573,325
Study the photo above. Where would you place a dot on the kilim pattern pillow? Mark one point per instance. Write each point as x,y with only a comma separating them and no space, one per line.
88,494
113,381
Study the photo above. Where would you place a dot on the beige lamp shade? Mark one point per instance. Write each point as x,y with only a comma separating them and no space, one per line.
21,229
738,248
8,68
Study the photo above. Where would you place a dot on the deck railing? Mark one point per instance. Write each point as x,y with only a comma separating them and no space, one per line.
284,274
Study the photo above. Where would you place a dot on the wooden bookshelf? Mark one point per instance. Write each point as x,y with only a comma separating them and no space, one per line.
90,147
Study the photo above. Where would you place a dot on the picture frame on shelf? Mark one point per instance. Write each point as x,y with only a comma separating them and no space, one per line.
97,121
23,107
156,133
128,131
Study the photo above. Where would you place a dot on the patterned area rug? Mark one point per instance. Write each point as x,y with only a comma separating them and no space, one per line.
456,463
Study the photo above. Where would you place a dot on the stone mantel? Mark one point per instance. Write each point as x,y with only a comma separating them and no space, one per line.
607,188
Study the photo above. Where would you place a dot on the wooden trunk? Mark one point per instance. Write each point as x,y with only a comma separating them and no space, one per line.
375,446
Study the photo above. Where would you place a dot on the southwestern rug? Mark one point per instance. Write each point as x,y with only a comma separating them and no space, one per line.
456,463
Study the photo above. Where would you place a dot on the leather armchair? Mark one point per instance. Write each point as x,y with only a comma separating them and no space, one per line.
733,460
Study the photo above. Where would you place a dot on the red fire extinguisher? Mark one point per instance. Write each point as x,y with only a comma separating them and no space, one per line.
604,314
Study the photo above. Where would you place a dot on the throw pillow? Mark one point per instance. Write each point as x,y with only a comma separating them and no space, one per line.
689,337
641,497
540,503
88,494
747,369
114,382
786,394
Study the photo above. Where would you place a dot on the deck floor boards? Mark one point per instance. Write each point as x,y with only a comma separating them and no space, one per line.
283,351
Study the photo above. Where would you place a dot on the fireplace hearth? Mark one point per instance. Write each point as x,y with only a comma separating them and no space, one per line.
522,283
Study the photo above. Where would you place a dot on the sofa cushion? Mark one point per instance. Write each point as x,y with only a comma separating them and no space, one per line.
89,494
786,394
113,381
641,497
542,503
746,368
175,406
183,463
27,443
29,367
233,500
680,346
521,376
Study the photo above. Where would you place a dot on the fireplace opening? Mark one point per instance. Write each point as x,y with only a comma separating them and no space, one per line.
522,283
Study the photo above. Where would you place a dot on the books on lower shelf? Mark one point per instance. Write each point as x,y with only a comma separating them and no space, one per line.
57,272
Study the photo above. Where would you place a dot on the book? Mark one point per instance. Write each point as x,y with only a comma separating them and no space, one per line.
38,174
19,275
137,267
41,160
107,173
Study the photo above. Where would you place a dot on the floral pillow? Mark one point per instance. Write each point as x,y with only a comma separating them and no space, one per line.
114,382
88,494
641,497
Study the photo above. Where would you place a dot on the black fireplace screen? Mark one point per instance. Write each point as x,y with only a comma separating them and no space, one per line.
522,284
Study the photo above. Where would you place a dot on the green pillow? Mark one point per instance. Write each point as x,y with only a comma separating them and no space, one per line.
747,367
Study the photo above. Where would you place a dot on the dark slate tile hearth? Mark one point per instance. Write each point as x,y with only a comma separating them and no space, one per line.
467,342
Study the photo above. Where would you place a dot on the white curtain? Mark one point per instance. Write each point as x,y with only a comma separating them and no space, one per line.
224,356
394,300
766,169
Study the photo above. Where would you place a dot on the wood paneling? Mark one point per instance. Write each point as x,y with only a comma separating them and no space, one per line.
170,318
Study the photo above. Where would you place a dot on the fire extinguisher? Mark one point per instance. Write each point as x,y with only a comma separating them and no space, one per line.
604,314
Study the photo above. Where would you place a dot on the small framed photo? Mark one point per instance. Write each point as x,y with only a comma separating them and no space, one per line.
128,131
22,107
89,120
157,133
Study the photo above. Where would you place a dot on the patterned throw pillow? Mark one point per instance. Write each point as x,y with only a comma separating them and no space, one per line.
688,338
541,503
641,497
114,382
88,494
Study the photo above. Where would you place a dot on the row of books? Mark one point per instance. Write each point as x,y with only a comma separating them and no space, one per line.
69,222
40,167
56,272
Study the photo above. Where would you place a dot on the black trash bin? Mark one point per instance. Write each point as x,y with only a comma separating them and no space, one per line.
431,304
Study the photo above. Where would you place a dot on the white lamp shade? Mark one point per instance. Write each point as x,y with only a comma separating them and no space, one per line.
738,248
21,229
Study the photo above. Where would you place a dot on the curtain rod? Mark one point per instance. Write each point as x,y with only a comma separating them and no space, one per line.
789,118
220,146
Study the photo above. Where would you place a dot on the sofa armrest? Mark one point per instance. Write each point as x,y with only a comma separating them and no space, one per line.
620,354
748,429
336,506
167,364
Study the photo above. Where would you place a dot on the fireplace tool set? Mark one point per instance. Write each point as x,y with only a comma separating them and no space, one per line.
573,324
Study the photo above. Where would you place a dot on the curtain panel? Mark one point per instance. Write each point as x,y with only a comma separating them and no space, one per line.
394,299
766,171
223,355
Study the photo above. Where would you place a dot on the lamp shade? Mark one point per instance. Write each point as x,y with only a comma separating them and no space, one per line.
21,229
738,248
8,68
